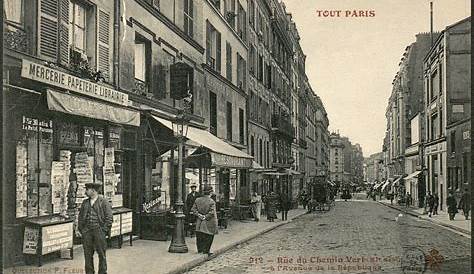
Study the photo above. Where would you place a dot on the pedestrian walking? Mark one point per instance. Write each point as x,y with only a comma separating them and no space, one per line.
191,218
206,224
408,200
391,197
285,205
425,203
271,204
256,205
304,199
452,209
94,223
436,204
431,204
465,203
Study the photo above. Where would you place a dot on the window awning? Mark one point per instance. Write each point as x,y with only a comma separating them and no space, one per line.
274,173
75,105
396,181
385,185
214,152
412,175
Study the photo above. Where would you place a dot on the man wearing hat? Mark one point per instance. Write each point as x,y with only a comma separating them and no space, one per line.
94,223
192,196
206,224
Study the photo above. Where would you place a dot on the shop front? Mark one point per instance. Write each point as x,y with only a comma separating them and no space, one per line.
211,162
63,132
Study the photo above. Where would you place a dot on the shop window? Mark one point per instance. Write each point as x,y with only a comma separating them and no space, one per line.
188,17
34,156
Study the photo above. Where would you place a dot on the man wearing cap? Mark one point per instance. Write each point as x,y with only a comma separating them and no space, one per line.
94,223
206,224
192,196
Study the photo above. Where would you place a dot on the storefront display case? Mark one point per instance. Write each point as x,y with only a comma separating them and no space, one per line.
47,234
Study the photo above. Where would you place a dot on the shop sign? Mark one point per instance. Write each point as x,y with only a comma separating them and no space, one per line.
223,160
32,124
436,148
147,206
56,237
63,80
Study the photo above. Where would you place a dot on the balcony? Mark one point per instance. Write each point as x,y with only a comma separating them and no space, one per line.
15,38
141,89
281,124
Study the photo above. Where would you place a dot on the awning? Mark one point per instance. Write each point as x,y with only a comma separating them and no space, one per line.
378,185
76,105
396,181
255,165
274,173
331,183
412,175
292,172
385,185
216,152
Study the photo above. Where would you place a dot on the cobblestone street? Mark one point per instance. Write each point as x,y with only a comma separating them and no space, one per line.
354,237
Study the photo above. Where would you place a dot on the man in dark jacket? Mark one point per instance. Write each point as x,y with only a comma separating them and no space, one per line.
206,225
285,205
190,218
94,223
465,203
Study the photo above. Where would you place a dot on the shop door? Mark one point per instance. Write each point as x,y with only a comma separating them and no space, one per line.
130,191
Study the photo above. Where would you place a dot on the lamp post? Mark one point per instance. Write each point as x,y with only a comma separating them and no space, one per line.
180,129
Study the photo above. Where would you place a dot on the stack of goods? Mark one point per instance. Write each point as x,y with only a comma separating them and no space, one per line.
110,179
21,180
84,172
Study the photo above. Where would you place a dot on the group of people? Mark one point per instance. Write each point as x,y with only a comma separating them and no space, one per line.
432,203
272,202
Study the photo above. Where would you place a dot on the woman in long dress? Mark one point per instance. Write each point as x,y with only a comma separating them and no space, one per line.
272,200
256,203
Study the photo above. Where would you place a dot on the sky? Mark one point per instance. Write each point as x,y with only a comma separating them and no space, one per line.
351,61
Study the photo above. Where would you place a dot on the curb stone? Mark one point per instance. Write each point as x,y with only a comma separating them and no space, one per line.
421,216
196,262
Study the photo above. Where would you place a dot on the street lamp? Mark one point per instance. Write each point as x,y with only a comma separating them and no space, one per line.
180,130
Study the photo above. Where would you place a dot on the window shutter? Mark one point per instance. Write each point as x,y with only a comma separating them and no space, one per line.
208,42
48,29
64,32
218,51
103,47
160,80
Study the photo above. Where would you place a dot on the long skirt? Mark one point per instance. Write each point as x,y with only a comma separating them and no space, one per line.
256,210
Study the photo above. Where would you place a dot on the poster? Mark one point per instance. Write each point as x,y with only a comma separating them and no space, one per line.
110,178
30,240
21,180
56,237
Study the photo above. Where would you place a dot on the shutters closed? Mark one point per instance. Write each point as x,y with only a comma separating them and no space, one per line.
64,32
48,29
160,80
218,51
208,43
103,47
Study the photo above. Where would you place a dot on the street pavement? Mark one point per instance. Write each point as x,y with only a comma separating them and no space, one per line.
356,236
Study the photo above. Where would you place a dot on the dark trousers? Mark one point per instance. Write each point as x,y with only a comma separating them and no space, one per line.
284,215
204,242
94,240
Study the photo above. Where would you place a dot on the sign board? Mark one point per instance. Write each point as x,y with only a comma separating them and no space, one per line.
63,80
127,222
56,237
115,230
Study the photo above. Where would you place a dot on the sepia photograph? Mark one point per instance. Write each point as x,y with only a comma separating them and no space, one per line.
236,136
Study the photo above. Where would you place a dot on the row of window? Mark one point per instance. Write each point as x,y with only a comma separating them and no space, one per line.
229,119
260,151
213,57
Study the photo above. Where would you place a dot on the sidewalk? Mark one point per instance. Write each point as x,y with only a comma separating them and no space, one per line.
459,223
153,256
